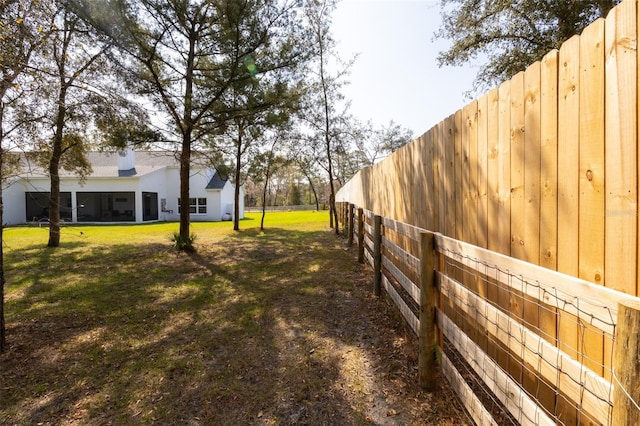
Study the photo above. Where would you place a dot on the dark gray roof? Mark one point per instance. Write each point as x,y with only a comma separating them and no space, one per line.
216,182
127,173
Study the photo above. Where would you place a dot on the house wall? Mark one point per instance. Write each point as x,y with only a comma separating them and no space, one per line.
14,203
197,189
158,182
164,182
228,197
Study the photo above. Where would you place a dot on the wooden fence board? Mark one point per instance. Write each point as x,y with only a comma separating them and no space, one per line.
405,229
568,191
449,176
410,261
458,178
482,158
470,401
592,175
548,219
410,287
532,149
584,387
549,160
471,212
518,204
438,178
503,228
493,180
433,176
517,402
596,305
621,148
405,310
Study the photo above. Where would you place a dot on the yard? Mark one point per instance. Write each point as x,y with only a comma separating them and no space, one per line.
280,327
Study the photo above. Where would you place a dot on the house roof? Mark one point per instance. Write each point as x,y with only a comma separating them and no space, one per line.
105,165
216,182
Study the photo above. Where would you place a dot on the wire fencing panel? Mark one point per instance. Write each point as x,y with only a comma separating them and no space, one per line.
507,365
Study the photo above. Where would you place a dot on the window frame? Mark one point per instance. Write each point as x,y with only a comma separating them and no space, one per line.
197,205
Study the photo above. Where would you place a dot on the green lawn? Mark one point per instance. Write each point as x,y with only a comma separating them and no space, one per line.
275,327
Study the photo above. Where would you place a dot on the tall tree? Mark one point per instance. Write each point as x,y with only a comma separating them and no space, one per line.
78,86
377,143
511,34
262,167
24,25
189,53
60,97
326,113
258,109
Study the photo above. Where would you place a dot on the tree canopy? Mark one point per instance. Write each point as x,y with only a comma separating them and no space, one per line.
510,35
187,55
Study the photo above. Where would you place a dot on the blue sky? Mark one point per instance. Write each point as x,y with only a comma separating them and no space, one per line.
396,76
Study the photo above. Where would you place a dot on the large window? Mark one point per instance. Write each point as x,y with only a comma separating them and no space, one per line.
106,206
196,205
38,206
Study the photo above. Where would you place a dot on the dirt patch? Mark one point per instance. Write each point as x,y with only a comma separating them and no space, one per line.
276,329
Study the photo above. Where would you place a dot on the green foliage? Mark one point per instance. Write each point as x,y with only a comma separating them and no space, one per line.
207,66
511,34
10,165
184,244
295,198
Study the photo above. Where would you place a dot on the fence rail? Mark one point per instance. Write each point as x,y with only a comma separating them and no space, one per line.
487,340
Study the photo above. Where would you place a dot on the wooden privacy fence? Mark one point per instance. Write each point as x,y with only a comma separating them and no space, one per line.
544,168
504,368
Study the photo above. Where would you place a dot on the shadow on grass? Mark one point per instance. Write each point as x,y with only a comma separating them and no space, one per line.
253,330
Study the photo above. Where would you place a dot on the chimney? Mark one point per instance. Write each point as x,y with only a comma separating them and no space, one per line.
127,159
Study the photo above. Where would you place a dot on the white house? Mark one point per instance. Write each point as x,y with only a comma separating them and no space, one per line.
131,186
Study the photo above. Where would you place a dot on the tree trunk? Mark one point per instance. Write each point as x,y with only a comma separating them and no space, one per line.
264,205
333,216
236,196
185,155
185,166
315,194
264,190
3,340
54,170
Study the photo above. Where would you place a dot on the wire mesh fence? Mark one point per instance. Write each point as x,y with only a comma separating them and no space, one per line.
519,343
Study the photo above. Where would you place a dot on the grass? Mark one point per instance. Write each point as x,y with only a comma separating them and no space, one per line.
116,327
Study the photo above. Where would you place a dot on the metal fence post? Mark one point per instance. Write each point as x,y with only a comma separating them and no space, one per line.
427,336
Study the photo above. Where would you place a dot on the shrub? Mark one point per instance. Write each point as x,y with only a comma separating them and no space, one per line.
183,244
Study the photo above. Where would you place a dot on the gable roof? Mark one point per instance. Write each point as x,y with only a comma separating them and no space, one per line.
216,182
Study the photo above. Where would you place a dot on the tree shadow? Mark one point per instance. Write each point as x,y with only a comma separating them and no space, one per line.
251,330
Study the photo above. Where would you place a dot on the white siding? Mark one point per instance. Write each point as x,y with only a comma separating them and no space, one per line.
164,181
